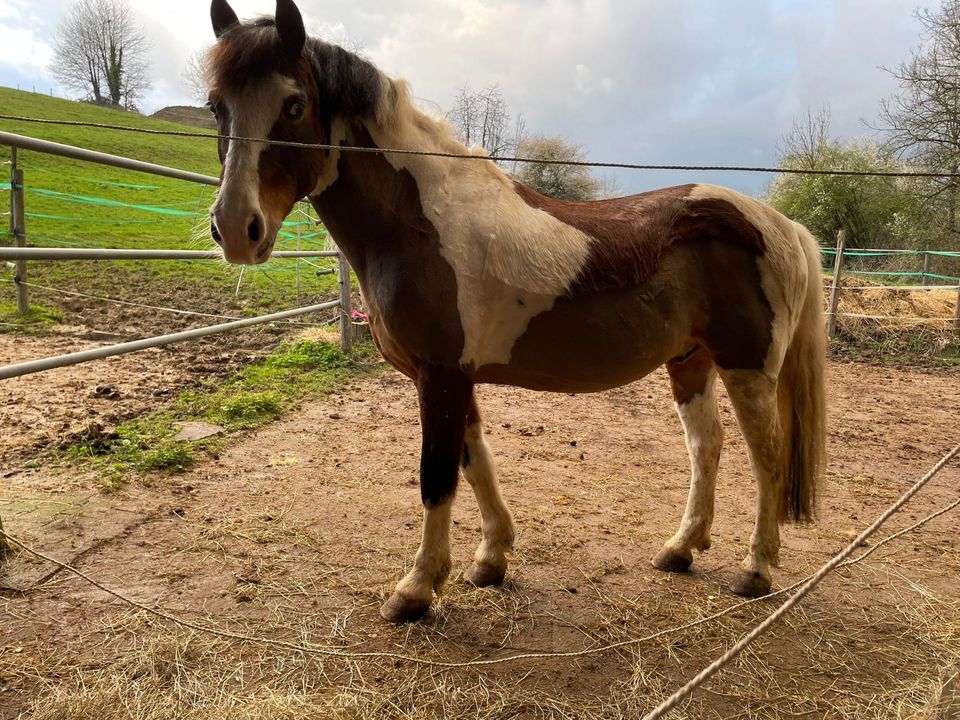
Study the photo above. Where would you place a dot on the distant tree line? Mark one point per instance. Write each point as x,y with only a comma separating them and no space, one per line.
918,129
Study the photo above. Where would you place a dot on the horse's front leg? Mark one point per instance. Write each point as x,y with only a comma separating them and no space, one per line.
444,398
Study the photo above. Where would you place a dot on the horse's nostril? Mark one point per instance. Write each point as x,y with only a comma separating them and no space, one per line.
215,233
253,229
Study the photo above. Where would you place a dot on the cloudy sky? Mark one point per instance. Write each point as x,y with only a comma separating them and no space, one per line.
646,81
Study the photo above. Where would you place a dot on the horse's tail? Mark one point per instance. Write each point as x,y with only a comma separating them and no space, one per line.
802,395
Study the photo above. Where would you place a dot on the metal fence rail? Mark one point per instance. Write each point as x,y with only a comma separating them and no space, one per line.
107,254
34,366
21,255
77,153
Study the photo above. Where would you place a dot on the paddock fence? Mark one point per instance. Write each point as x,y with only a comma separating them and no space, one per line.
19,254
887,270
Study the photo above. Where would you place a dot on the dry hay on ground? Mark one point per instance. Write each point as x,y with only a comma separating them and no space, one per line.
298,532
894,307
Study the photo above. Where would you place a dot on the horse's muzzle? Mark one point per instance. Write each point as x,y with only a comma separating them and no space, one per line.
246,243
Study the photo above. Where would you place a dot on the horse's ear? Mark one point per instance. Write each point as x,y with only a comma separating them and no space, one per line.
222,16
290,28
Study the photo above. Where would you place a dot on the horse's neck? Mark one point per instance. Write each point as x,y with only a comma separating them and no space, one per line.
400,209
371,196
373,203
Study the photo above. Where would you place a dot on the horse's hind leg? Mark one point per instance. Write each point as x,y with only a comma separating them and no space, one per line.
490,561
693,383
754,397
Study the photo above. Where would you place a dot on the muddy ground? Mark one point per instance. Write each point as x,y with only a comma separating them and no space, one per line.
299,531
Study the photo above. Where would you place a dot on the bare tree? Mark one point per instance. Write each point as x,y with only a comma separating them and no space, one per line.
922,122
809,137
556,179
100,51
482,119
194,75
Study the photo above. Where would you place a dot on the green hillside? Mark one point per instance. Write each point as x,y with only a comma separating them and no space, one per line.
70,203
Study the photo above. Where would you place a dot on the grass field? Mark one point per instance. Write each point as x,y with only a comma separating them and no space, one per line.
70,203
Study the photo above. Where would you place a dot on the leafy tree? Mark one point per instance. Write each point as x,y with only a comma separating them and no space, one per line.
870,209
563,182
922,122
100,51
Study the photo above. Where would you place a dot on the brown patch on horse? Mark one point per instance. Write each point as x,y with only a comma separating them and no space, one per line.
631,234
689,375
375,211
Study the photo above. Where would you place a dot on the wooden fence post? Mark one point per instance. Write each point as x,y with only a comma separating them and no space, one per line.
926,268
346,321
956,315
18,231
835,290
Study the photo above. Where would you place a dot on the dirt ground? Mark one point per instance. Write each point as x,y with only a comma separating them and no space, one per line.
299,531
48,409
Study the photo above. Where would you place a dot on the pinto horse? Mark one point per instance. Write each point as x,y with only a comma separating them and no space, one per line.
470,277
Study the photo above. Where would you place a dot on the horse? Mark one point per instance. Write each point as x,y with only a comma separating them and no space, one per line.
470,277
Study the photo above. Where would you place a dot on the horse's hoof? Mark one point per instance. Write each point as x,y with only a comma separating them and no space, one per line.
671,560
399,609
482,575
751,584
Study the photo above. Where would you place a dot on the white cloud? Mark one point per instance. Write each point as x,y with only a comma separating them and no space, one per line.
686,81
22,49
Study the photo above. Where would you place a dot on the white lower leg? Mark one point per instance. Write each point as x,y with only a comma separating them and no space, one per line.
754,397
496,520
704,436
432,563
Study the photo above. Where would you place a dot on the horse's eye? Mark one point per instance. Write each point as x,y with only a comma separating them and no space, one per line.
296,109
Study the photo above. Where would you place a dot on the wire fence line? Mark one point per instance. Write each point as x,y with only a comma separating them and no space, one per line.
484,156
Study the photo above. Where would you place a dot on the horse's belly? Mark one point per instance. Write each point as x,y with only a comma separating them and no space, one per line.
595,343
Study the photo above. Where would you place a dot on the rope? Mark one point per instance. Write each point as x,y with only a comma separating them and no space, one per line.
348,655
496,158
680,695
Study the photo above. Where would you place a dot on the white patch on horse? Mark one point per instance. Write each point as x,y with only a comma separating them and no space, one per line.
331,165
496,521
511,260
253,113
704,436
432,563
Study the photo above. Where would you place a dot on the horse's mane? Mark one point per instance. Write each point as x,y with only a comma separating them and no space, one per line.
349,85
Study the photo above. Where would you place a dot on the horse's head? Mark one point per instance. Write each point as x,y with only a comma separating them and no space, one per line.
261,86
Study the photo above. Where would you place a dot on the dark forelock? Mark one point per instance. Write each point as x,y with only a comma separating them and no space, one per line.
348,85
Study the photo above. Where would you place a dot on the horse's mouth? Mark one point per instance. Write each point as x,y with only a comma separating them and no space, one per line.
263,252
